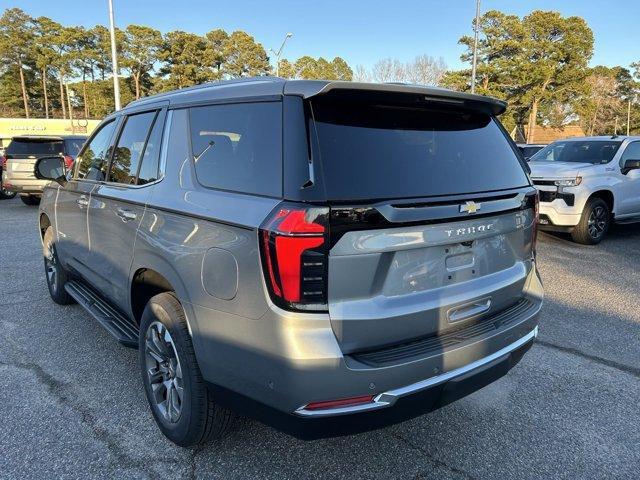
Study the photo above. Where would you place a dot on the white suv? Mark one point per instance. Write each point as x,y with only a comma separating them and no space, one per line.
585,183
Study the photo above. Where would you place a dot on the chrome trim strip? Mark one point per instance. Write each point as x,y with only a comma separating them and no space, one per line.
387,399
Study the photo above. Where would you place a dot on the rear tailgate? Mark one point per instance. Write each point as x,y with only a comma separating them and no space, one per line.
20,168
388,285
432,216
22,153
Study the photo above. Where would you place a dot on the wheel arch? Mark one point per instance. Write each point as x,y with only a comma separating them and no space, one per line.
43,222
146,283
607,196
150,275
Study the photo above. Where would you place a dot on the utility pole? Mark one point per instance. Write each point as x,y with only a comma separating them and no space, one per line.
475,47
279,52
628,117
114,56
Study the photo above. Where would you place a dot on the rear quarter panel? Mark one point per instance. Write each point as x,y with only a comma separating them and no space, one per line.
205,243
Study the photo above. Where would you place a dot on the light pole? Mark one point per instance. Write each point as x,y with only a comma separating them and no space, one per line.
70,93
279,52
114,56
475,47
633,99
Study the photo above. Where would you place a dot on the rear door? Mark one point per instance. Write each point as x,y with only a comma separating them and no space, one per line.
630,186
118,204
72,205
432,219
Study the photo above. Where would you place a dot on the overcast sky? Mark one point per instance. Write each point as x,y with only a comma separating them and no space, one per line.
359,31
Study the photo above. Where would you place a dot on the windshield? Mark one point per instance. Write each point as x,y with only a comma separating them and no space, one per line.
528,152
578,151
372,151
35,147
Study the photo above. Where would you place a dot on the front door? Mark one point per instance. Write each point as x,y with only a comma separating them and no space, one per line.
72,206
118,204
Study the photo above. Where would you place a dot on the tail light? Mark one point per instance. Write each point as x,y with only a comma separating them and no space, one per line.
294,247
3,162
68,162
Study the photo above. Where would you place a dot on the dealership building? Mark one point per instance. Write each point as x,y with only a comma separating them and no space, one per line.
13,127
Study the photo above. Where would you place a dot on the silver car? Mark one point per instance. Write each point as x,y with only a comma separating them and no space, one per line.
326,257
21,155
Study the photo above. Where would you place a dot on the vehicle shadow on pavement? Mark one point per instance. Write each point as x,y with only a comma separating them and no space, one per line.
616,232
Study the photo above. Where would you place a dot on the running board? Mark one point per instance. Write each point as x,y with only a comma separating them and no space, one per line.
125,331
627,221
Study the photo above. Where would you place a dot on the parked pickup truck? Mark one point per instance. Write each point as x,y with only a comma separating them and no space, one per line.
529,149
585,183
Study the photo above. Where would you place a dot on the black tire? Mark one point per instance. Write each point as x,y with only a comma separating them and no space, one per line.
55,273
5,194
594,223
30,200
199,419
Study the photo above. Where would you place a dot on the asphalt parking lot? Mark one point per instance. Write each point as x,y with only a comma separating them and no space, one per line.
72,405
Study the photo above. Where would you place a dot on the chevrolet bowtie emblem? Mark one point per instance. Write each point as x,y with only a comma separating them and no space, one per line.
470,207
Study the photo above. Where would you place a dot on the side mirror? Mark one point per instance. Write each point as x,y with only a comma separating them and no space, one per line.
629,165
51,168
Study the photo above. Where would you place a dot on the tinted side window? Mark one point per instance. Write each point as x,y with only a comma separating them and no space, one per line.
126,157
151,156
239,147
92,163
632,152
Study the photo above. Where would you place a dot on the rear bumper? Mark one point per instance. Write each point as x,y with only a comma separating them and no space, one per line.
389,407
24,185
391,397
289,360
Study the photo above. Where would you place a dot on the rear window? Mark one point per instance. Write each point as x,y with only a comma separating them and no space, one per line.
382,151
21,146
238,147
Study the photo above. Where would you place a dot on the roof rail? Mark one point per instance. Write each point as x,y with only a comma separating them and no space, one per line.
214,84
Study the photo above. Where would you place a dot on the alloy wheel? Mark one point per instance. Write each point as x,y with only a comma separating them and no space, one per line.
597,222
164,372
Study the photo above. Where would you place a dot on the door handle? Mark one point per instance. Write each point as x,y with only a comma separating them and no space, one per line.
82,201
469,310
126,215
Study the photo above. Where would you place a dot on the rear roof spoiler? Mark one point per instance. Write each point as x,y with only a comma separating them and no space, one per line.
309,89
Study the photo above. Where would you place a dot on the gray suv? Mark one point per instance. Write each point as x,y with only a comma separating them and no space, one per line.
326,257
